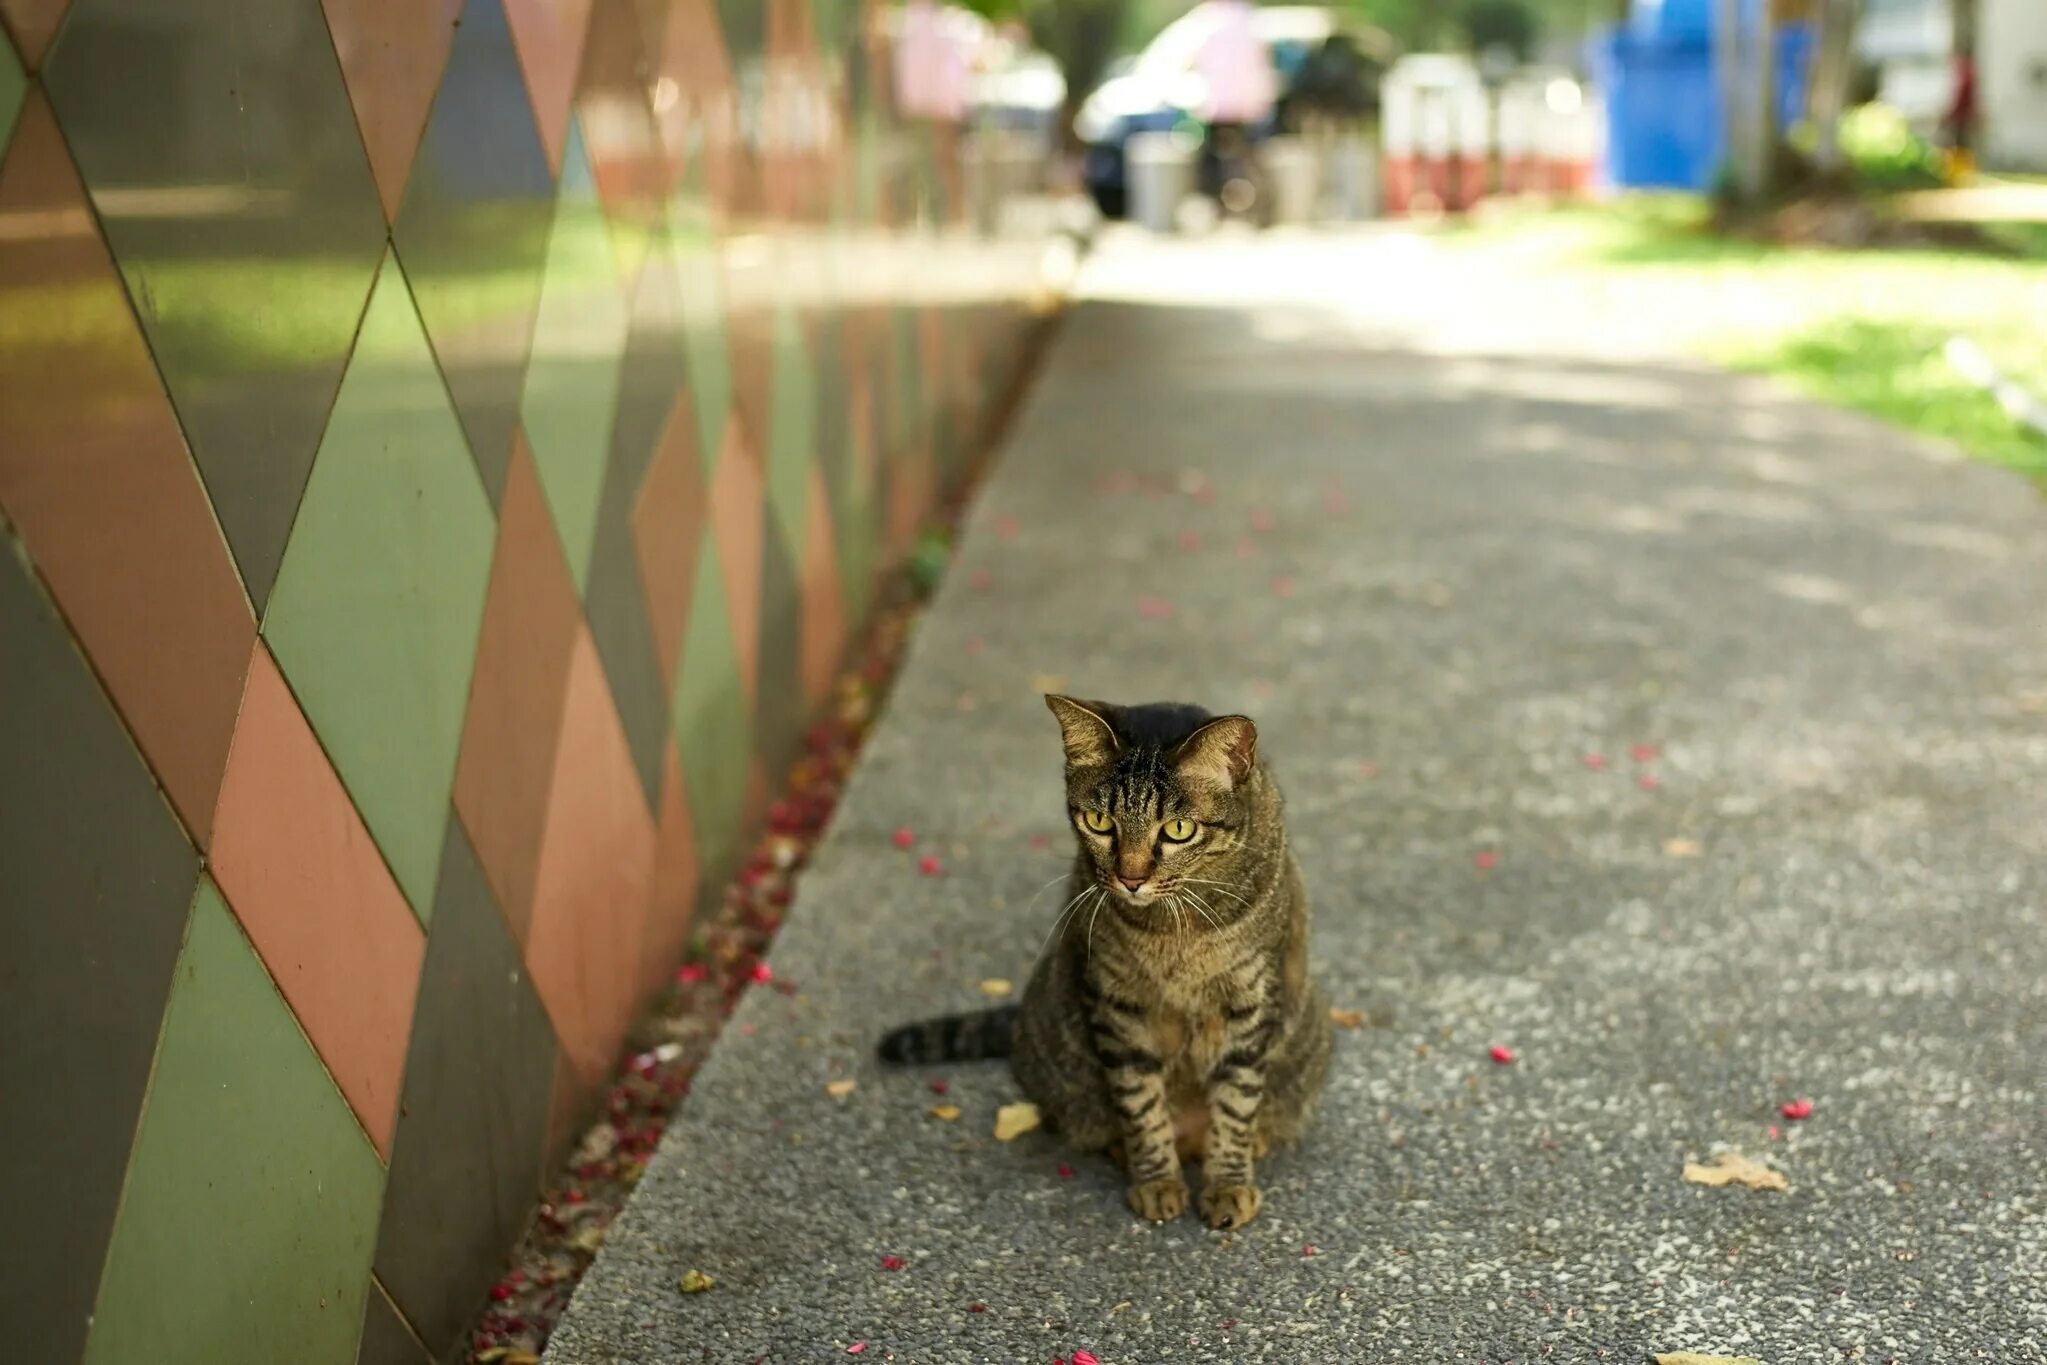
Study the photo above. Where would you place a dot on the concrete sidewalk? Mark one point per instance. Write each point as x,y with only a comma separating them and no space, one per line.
1458,586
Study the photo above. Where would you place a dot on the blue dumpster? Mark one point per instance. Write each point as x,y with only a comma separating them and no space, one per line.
1664,128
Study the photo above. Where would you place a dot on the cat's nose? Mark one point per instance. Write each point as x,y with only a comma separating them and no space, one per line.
1131,883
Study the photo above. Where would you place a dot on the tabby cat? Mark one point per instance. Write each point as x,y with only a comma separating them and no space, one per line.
1171,1016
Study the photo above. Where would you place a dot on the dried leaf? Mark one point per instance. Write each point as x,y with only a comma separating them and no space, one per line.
521,1358
839,1089
1680,848
947,1112
1012,1121
1048,682
1694,1358
696,1282
1729,1168
1122,1307
1347,1018
996,986
588,1238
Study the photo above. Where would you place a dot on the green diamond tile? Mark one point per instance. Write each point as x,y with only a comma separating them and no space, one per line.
792,421
13,87
223,158
578,347
713,726
781,702
697,274
378,605
250,1211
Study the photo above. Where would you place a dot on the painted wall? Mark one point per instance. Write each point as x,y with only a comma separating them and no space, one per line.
2011,46
443,446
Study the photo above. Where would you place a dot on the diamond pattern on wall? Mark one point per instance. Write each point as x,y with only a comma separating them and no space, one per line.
34,24
530,622
596,873
331,282
379,647
305,880
97,882
713,718
95,477
277,1270
572,379
391,52
549,35
472,233
477,1081
232,175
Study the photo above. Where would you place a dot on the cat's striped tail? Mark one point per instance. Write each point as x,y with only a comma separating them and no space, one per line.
966,1037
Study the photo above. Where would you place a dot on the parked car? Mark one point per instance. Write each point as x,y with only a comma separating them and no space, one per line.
1326,63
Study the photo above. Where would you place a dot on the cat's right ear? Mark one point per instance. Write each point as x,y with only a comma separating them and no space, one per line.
1084,726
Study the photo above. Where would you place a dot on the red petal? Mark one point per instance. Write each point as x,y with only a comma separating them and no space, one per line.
1065,1171
691,973
891,1263
762,972
1484,859
1642,753
1085,1358
1007,527
1311,1250
939,1086
1797,1110
1595,761
1774,1132
929,865
1502,1053
500,1292
977,1308
1648,782
856,1348
904,837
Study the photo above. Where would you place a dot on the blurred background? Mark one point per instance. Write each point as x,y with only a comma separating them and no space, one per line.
451,452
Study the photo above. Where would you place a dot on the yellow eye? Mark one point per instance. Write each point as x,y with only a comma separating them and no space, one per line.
1178,831
1097,821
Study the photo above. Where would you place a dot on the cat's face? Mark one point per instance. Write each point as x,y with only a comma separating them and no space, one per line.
1156,795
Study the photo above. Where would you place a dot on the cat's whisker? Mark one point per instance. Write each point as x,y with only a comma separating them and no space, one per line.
1101,899
1221,887
1064,916
1204,908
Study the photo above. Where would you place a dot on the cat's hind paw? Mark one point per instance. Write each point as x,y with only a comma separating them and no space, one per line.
1159,1200
1229,1206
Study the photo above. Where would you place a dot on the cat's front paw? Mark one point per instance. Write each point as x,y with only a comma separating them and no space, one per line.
1229,1206
1159,1200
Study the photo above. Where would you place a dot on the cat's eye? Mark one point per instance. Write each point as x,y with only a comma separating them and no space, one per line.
1097,821
1178,831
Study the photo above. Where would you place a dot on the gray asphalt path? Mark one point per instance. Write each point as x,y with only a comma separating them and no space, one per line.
1444,577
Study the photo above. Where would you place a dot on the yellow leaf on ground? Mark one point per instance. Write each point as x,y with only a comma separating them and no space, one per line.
996,987
1347,1018
838,1090
1012,1121
1680,848
696,1282
1047,682
1694,1358
948,1112
1732,1168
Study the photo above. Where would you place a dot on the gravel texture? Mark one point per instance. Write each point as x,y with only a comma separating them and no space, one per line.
1685,739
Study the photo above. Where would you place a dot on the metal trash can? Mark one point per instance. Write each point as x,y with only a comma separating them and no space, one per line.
1292,172
1159,168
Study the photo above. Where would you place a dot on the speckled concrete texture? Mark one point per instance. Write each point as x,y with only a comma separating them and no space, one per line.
1444,575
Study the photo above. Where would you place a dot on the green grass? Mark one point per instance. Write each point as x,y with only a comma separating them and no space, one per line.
1863,329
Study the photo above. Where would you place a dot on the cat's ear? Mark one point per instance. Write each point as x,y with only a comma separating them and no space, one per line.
1221,752
1085,727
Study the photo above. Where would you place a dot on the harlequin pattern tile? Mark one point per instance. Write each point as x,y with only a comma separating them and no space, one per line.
97,882
596,873
239,1102
379,647
472,232
671,905
530,622
34,23
391,52
549,34
668,522
386,1340
477,1082
13,85
572,379
223,160
713,723
305,880
444,448
96,479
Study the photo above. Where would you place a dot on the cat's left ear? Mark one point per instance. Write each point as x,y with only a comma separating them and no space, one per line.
1221,752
